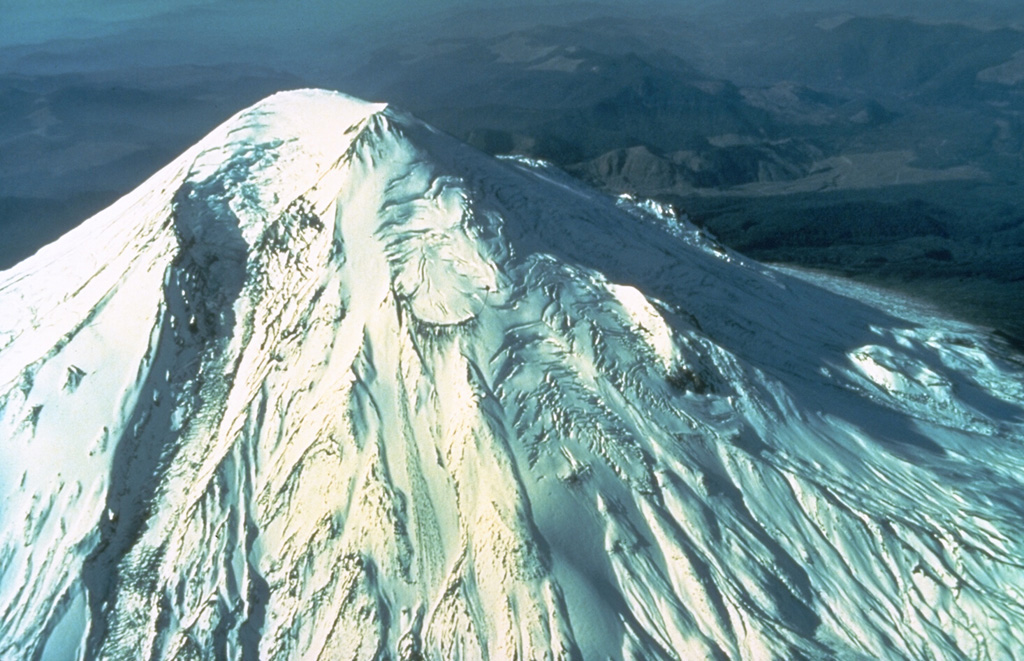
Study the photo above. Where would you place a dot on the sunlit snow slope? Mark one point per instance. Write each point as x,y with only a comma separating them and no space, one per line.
335,386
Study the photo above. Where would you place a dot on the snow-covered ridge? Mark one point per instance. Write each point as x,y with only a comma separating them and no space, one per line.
333,385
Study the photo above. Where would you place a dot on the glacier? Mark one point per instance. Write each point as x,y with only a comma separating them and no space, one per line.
333,385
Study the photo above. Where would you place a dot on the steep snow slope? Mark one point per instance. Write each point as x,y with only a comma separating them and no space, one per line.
332,385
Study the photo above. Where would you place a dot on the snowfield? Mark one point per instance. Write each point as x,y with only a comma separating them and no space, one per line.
333,385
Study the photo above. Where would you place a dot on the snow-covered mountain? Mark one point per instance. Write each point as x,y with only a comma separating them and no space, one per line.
332,385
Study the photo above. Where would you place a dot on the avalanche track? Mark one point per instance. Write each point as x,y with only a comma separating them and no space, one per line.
332,385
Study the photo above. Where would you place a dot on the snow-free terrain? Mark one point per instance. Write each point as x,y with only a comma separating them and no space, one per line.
332,385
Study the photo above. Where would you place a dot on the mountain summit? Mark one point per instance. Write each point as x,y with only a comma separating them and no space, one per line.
333,385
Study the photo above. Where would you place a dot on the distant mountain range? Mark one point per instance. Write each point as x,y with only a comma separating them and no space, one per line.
827,112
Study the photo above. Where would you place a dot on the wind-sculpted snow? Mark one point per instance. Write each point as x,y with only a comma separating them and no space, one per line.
334,386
